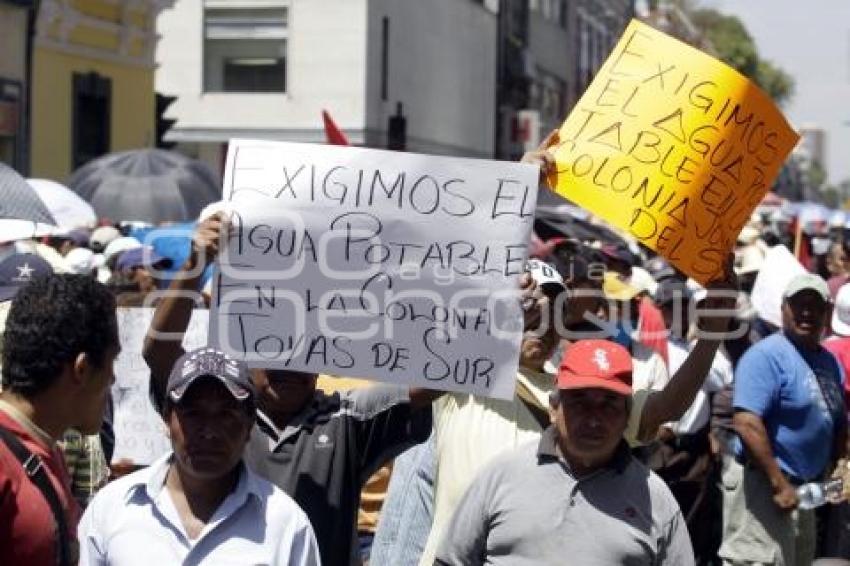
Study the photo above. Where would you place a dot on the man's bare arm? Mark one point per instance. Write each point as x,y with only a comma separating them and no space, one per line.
750,428
164,341
670,403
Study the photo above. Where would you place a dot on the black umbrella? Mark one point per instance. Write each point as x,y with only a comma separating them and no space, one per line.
550,222
18,200
22,214
151,185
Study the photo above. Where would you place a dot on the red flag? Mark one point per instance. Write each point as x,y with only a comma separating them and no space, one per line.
332,131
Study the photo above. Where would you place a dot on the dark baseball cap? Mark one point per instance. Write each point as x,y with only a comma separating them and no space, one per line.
141,257
209,362
17,270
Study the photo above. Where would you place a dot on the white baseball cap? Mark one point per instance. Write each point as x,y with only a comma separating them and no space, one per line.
807,282
120,245
544,273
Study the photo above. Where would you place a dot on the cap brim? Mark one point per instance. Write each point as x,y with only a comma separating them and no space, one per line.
164,264
8,293
239,393
584,382
815,290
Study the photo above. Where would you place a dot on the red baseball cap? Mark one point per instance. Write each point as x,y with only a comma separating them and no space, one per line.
600,364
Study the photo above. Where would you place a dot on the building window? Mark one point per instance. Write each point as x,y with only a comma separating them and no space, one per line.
548,97
385,58
92,107
585,65
11,124
554,11
245,49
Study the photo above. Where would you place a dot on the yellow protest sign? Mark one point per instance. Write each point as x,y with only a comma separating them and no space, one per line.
672,146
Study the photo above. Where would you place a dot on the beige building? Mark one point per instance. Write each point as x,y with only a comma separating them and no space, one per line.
92,81
14,20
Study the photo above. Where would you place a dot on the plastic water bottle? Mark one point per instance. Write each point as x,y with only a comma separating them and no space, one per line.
815,494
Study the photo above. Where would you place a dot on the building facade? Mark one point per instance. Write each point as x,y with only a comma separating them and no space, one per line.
550,50
265,69
92,81
15,21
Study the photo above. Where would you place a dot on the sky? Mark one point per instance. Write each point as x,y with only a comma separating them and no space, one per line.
810,40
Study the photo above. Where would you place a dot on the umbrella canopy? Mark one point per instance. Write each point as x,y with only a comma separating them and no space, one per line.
550,222
66,206
150,185
22,214
173,242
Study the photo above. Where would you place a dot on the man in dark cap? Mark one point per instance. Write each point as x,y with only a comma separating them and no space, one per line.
318,448
199,504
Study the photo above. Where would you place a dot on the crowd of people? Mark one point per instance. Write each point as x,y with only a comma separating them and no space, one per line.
655,421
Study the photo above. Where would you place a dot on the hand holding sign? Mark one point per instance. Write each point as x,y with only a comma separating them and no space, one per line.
674,147
207,239
390,266
545,159
720,301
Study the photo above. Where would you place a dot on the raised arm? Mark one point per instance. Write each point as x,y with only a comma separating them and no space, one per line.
671,403
544,159
164,341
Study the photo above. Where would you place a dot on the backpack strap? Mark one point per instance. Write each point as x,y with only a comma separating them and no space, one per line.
34,469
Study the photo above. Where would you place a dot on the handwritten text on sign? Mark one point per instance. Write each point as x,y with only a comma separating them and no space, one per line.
674,147
391,266
139,430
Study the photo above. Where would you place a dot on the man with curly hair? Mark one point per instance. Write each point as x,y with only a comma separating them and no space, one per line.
60,342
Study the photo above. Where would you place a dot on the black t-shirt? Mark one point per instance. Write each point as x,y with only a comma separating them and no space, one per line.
323,458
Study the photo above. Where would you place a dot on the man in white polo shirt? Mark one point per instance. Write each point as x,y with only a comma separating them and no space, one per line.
578,495
200,504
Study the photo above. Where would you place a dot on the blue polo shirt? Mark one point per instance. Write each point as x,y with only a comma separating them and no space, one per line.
798,395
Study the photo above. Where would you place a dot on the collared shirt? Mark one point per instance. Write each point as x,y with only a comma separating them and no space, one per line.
324,456
134,520
470,431
527,508
27,524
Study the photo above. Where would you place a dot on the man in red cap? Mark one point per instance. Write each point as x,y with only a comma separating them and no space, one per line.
578,494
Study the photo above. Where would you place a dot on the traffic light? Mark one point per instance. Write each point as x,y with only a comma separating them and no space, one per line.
397,130
163,124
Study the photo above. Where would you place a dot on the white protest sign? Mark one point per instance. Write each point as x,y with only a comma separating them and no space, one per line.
139,430
778,269
390,266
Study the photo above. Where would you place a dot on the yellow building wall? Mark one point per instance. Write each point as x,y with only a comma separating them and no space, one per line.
132,113
107,11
